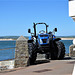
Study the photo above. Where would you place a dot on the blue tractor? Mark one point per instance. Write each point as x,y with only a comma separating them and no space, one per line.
45,43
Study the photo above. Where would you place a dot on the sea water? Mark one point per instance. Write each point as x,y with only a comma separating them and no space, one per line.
6,53
67,43
10,53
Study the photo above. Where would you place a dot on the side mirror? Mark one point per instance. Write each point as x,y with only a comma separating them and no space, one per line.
29,30
55,29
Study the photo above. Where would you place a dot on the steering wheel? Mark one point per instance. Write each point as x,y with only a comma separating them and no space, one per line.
42,31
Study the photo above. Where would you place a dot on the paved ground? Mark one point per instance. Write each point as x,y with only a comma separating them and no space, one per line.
45,67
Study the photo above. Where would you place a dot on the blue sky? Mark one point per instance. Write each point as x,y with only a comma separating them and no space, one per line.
17,16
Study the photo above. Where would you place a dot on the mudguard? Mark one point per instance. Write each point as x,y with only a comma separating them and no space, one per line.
57,39
30,37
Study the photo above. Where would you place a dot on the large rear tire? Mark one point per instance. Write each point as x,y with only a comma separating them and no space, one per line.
61,49
58,52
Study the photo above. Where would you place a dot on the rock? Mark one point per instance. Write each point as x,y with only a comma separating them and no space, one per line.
21,52
72,51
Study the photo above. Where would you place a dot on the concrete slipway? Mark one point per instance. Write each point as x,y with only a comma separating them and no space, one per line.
45,67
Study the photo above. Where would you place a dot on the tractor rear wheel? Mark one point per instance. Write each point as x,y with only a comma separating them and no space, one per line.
61,49
58,52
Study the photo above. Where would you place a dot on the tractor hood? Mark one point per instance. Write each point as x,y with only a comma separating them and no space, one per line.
43,38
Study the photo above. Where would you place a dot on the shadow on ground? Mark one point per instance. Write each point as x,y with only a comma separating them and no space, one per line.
47,61
41,62
67,58
7,71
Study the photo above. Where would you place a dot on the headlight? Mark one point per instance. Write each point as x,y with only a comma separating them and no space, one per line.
53,37
48,41
41,41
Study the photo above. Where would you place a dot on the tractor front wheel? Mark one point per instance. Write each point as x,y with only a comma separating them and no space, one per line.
47,56
32,55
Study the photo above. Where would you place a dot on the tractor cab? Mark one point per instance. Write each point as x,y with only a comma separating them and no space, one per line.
43,36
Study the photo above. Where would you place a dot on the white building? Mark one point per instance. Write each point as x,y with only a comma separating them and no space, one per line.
72,9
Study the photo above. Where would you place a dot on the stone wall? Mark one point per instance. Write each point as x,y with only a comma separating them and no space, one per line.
21,52
72,51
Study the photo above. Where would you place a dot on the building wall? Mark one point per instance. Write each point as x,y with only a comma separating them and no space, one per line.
72,8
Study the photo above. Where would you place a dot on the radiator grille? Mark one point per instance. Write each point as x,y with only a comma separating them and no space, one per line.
44,40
